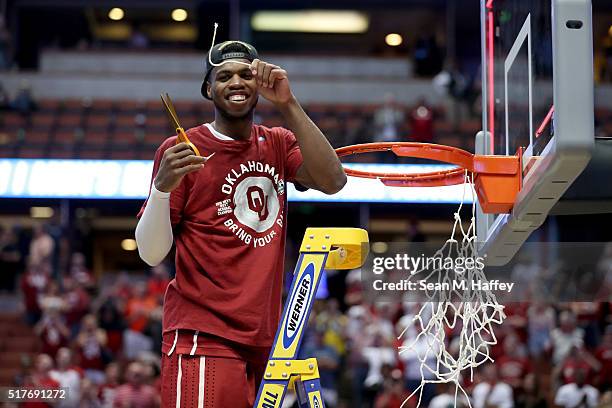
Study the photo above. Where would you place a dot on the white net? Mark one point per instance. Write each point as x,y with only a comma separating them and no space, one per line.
461,312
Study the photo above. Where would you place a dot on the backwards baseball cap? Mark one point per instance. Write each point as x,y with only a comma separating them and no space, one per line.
226,51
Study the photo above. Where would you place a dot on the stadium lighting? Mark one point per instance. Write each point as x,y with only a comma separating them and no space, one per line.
311,21
41,212
129,245
380,247
179,14
116,14
393,39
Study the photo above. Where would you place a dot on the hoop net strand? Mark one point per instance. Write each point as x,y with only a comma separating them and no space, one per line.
470,312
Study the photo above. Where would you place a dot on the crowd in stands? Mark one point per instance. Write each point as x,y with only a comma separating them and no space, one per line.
100,336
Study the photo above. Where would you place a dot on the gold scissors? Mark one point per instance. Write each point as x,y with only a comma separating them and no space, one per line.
180,132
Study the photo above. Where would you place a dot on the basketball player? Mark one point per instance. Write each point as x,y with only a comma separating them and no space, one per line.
226,212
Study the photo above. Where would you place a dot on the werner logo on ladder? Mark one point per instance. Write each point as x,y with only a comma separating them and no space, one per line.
331,248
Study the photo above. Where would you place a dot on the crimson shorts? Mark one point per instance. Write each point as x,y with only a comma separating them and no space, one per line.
220,380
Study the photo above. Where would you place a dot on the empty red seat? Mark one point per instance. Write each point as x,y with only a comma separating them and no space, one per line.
91,154
93,138
36,137
125,120
157,121
69,119
31,152
13,120
73,105
43,120
49,105
60,153
102,104
64,136
98,120
124,155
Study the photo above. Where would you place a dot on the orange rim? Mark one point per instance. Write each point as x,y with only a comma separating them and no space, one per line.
497,179
447,154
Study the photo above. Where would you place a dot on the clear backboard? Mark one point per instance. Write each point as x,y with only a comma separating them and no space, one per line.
537,103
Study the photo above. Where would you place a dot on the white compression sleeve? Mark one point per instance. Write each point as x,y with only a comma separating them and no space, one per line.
154,231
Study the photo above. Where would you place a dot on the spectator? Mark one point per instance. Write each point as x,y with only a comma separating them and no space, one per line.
513,364
154,327
137,314
541,321
329,362
32,284
587,318
51,298
334,323
354,289
52,330
387,120
41,247
604,356
358,318
24,102
416,351
40,379
577,394
377,354
139,307
606,400
566,336
159,280
394,393
109,387
421,122
123,286
135,393
448,397
578,359
111,320
79,271
90,343
89,395
491,391
531,395
78,302
68,377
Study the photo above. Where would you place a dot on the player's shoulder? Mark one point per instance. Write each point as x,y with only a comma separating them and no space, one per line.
278,135
275,131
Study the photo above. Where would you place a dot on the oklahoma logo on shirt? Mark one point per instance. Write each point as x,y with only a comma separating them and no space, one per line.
253,191
256,203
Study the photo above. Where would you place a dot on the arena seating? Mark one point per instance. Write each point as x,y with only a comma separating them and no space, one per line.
108,129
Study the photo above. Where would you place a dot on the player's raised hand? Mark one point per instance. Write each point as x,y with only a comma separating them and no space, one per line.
272,80
177,161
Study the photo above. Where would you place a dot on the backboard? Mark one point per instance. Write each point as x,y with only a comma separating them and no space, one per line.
537,102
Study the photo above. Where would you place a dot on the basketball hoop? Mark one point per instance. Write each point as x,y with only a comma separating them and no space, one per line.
474,315
497,179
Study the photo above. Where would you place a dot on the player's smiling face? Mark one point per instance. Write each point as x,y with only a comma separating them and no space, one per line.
233,89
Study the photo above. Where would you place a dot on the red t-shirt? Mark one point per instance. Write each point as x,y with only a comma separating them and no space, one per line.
229,222
512,370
